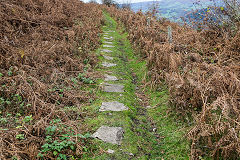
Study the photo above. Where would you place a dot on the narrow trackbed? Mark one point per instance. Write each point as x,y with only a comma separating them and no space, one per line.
121,125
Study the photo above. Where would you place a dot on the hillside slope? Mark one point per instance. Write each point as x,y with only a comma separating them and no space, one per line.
171,9
44,46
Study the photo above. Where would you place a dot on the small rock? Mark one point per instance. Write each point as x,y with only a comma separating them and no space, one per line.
110,151
130,154
154,129
107,134
106,64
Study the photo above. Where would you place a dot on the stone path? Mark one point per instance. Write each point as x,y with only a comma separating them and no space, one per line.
108,134
126,123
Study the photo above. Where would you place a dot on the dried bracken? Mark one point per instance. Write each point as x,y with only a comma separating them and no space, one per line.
44,45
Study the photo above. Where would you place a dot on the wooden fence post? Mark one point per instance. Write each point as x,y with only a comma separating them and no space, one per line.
148,21
170,34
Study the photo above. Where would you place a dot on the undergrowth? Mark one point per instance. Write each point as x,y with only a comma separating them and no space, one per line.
46,75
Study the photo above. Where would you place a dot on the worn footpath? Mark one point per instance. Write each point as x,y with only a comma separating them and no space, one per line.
126,121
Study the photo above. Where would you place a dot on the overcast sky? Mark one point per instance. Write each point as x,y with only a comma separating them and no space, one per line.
124,1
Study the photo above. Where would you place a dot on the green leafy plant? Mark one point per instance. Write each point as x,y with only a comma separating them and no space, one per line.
27,119
3,121
10,71
85,61
74,80
20,136
59,140
51,130
84,79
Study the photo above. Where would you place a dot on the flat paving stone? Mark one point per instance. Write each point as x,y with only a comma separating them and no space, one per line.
113,106
110,78
106,64
108,38
106,42
107,134
113,88
110,31
108,46
108,57
106,50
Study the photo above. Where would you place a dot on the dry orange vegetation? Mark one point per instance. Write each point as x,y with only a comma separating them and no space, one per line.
43,44
202,72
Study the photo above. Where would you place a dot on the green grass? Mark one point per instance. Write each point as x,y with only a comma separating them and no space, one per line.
138,122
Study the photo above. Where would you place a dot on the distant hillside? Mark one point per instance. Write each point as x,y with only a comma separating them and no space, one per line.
171,9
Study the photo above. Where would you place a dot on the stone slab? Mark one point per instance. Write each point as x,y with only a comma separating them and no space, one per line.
108,46
106,64
106,42
108,38
113,88
107,134
108,57
113,106
106,50
110,78
110,31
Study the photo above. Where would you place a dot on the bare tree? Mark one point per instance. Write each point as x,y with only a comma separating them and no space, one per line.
110,3
126,5
154,9
92,1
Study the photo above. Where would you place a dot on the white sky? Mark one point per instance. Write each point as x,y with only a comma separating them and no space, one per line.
124,1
